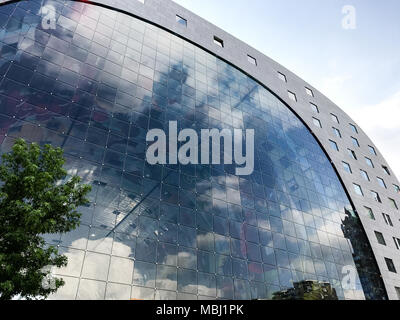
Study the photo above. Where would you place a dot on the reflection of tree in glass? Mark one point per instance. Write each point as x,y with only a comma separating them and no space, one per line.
307,290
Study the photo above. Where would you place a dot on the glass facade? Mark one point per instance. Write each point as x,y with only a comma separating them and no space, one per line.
94,81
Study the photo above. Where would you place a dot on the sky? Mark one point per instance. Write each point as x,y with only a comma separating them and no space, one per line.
356,66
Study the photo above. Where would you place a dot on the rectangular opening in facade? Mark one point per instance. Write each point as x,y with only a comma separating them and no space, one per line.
180,20
219,42
252,60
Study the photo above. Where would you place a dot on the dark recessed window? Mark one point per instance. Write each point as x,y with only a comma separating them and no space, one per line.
181,21
334,118
346,167
375,196
309,92
252,60
292,95
386,169
317,122
219,42
358,189
381,182
397,291
380,238
352,154
370,213
334,145
353,127
314,107
337,132
282,76
396,188
364,174
387,219
393,204
396,242
355,142
390,265
369,162
372,150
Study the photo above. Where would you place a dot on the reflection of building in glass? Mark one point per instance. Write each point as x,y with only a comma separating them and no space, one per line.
95,84
307,290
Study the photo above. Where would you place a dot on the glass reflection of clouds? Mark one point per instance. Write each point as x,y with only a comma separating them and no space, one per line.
94,85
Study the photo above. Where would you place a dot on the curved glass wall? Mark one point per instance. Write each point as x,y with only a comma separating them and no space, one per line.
94,81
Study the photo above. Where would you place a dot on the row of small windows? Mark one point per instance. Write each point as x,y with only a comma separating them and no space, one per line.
351,152
386,217
336,131
375,195
218,41
364,174
381,240
353,155
379,236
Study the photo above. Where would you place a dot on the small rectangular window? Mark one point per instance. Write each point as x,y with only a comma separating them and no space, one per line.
358,189
381,182
352,154
372,150
390,265
353,127
370,213
393,204
219,42
386,169
398,292
181,21
369,162
396,188
252,60
282,76
397,243
317,122
309,92
346,167
334,118
364,174
334,145
314,107
292,95
387,219
380,238
375,196
355,142
337,132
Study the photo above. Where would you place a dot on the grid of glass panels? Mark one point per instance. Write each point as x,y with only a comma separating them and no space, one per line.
94,83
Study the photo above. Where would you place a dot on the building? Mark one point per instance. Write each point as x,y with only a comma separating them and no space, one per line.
321,204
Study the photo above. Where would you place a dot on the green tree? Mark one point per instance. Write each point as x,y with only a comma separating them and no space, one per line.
35,199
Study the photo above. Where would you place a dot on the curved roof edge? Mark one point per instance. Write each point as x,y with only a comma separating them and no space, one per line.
234,51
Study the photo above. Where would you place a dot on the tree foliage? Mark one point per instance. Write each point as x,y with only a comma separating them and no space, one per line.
35,199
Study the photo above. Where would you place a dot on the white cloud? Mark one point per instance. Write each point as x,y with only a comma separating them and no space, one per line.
333,86
381,122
